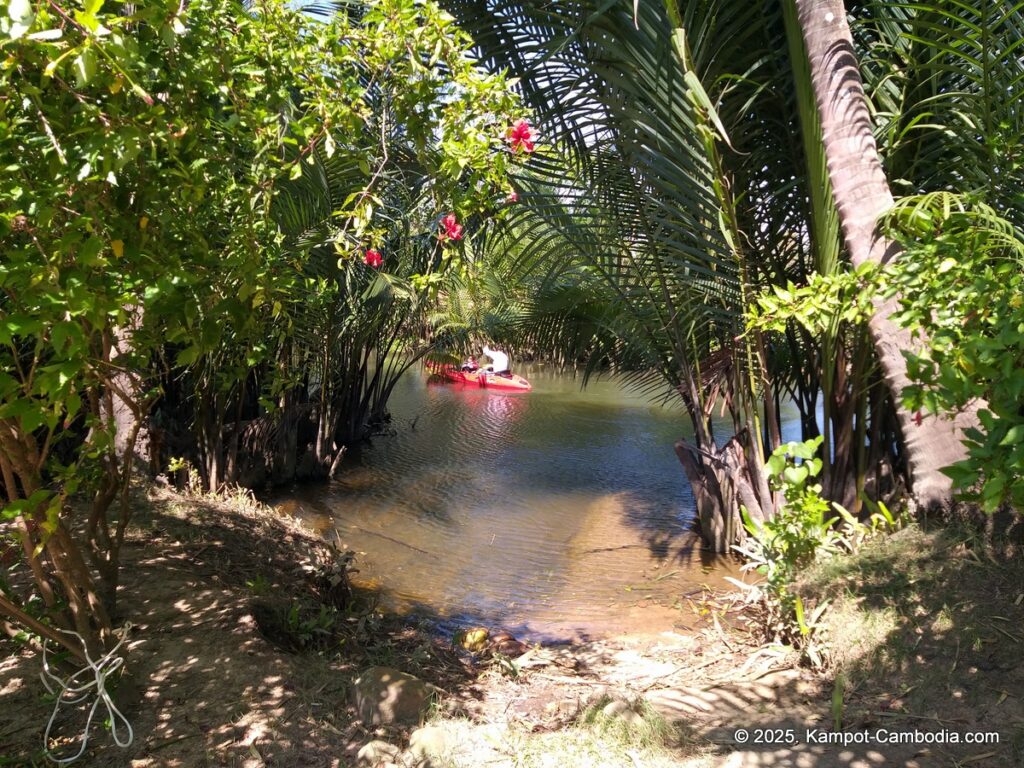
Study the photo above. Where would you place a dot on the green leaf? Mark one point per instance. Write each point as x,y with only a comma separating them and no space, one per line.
701,97
1014,435
798,608
21,15
776,463
188,355
84,66
27,506
795,475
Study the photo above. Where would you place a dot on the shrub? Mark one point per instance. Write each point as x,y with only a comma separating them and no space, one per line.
807,527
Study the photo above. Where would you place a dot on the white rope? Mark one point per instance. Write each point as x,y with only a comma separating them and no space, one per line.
102,668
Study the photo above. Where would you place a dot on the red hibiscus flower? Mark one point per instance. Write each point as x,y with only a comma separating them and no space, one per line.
373,258
521,136
450,228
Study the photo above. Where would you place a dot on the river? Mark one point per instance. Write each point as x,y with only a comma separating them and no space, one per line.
557,514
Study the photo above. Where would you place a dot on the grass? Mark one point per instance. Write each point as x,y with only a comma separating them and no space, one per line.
925,626
597,738
642,728
870,597
902,590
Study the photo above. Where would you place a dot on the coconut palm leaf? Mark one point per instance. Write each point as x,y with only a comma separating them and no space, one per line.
946,79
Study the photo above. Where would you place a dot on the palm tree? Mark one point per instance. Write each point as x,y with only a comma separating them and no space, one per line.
862,196
611,85
680,185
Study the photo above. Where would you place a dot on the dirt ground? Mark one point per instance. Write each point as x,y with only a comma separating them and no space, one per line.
933,646
206,687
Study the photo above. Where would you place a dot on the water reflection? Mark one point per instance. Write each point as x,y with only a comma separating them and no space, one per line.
554,512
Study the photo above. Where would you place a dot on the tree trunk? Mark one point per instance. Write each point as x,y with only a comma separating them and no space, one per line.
724,480
862,194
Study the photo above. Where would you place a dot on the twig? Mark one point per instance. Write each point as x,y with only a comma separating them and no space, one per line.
174,740
613,549
930,718
721,633
396,541
688,668
569,680
1011,636
724,680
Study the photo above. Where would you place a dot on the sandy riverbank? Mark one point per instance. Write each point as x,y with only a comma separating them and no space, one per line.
209,689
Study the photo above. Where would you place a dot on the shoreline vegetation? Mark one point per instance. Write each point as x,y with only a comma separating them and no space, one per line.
245,645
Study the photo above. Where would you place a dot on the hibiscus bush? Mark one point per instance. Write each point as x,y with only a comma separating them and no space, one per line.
157,158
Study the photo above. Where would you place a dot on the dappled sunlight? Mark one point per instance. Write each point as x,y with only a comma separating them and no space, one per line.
571,564
245,247
203,681
933,645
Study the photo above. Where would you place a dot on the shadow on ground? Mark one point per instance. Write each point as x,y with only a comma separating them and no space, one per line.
926,629
206,687
926,633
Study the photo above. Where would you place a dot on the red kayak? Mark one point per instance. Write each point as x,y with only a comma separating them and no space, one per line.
510,382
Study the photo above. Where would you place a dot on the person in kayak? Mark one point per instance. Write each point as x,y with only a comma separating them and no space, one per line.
469,364
499,361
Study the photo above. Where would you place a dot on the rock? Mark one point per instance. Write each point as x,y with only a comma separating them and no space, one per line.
507,645
474,639
622,711
427,743
377,753
593,695
563,709
384,695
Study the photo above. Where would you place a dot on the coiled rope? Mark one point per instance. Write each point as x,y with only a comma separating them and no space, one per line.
74,691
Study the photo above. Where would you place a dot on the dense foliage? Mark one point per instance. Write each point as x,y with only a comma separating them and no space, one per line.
689,178
962,284
959,290
227,230
181,187
807,528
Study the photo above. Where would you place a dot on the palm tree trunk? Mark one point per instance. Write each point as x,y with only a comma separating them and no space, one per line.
862,195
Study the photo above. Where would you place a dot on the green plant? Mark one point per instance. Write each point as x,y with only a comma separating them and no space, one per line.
309,629
176,464
882,520
258,585
806,528
838,694
793,538
799,533
156,230
188,478
506,666
633,723
962,287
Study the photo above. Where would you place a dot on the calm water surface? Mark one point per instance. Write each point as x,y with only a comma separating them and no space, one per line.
556,513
